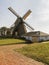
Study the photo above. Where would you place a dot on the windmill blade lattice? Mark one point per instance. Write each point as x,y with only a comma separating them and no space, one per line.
13,11
27,14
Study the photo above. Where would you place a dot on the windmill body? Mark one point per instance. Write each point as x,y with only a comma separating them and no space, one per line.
19,27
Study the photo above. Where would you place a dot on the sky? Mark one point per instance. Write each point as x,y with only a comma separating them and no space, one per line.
38,19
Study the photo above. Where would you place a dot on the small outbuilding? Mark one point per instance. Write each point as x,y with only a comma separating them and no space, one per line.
36,36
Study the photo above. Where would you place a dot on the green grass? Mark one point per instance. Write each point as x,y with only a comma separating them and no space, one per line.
10,41
37,51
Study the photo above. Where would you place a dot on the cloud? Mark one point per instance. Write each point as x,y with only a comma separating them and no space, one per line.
40,15
39,19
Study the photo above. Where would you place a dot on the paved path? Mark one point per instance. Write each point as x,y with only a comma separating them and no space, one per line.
9,57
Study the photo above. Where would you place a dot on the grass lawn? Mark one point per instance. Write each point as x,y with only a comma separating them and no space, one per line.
10,41
37,51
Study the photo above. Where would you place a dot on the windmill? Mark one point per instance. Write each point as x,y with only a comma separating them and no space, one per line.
19,24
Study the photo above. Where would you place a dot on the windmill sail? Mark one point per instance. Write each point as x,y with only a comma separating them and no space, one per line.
29,26
27,14
13,12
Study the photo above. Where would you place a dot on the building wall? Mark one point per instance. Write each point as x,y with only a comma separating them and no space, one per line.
36,38
32,39
44,38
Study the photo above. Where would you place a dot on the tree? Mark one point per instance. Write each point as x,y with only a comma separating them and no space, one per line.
3,31
8,32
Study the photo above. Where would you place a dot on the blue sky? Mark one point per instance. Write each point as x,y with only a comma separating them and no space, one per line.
38,19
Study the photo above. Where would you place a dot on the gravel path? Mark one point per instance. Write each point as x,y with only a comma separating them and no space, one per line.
9,57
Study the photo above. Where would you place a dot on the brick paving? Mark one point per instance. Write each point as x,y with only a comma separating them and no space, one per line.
9,57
